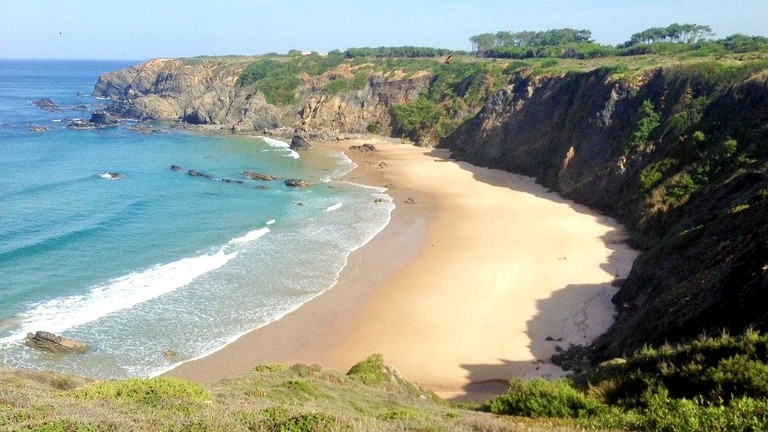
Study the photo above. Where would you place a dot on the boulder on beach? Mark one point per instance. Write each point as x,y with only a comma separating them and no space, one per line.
298,143
59,344
363,148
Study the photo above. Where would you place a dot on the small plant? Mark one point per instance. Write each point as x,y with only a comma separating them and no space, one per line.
151,392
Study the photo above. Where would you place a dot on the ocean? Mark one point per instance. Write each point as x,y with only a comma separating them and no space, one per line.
154,259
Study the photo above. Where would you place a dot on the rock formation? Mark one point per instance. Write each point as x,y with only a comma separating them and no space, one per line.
298,183
50,342
259,176
46,104
299,144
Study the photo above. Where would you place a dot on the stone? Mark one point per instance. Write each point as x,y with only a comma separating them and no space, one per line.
59,344
363,148
297,183
46,104
258,176
170,354
176,167
38,128
299,144
410,201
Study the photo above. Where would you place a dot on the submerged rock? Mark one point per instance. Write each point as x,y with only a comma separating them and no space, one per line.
297,183
258,176
59,344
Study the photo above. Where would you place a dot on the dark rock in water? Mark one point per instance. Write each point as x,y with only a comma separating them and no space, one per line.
298,143
258,176
38,128
113,175
46,104
50,342
379,200
103,118
98,120
297,183
196,173
170,354
363,148
80,107
176,167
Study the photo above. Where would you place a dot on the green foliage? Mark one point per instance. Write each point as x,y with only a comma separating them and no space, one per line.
279,419
154,392
396,52
654,173
647,120
541,398
370,371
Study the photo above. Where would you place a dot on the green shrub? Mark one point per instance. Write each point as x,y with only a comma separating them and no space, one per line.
369,371
653,174
151,392
541,398
647,120
278,419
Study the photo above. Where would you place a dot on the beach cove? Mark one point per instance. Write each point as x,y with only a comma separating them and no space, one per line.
479,276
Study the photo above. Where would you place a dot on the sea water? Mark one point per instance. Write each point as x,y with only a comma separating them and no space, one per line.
154,259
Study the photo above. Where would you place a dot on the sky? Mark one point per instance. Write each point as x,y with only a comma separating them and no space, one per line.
144,29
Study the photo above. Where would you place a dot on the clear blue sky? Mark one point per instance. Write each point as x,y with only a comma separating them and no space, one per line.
143,29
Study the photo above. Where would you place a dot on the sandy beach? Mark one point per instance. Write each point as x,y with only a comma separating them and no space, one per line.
478,277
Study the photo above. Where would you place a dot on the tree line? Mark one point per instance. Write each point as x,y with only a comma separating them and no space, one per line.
573,43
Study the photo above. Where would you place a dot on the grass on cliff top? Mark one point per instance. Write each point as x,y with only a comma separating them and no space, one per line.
270,398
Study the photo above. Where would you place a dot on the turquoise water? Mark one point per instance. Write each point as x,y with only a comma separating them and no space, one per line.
157,259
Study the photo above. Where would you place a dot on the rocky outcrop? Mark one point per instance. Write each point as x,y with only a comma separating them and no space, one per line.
299,144
99,119
206,92
297,183
46,104
58,344
259,176
363,148
697,207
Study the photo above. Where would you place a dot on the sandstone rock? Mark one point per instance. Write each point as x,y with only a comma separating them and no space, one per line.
176,167
50,342
297,183
298,143
258,176
170,354
103,118
410,201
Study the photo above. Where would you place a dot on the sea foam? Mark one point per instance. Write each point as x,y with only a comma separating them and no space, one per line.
280,144
61,314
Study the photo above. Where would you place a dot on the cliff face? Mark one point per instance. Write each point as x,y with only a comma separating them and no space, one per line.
680,156
206,91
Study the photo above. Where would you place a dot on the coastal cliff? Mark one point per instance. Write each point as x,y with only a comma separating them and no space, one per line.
676,152
211,91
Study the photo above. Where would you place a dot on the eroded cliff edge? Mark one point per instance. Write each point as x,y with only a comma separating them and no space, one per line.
677,153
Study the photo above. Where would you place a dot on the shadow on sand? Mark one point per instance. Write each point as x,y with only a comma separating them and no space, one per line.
546,330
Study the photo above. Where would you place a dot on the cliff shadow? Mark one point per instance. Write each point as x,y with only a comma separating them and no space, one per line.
576,313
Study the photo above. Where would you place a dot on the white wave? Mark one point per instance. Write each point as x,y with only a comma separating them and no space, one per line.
61,314
56,120
333,207
280,144
271,222
111,176
251,236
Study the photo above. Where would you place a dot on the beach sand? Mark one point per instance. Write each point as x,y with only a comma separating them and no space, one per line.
461,290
